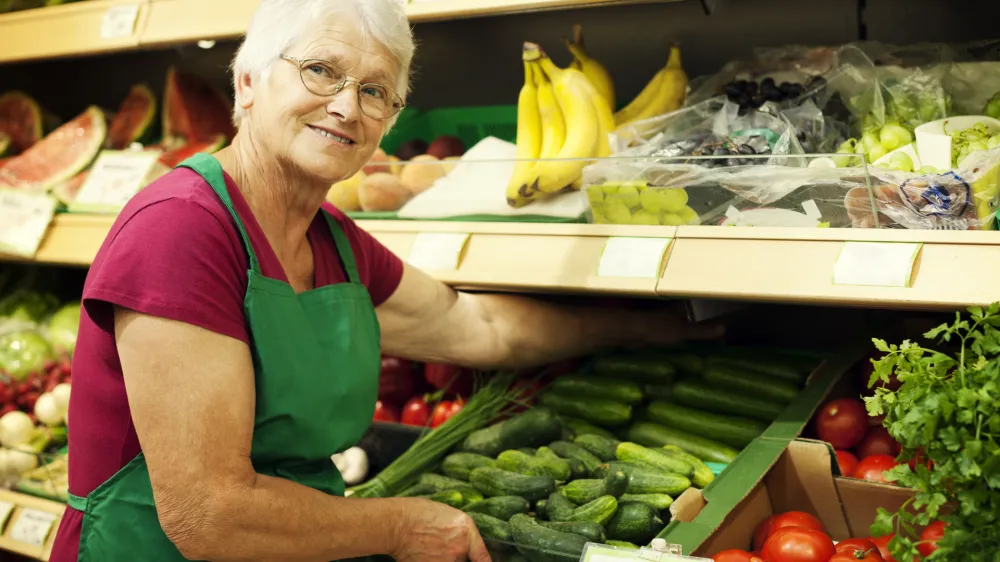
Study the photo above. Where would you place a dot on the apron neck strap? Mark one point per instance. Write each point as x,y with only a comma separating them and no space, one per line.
209,168
344,249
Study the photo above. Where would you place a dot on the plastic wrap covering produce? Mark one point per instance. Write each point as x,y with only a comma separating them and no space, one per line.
23,348
670,192
711,128
962,199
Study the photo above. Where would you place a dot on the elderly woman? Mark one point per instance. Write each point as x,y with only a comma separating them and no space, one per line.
232,325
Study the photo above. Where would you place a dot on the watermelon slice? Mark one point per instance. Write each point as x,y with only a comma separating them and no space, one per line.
174,156
134,119
20,119
59,156
194,110
66,191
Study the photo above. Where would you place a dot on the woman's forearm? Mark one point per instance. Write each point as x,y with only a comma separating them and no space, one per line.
276,519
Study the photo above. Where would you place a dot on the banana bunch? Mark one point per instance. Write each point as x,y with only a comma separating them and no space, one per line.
664,93
595,71
562,121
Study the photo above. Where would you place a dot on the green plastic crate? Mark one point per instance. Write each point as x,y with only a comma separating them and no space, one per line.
470,124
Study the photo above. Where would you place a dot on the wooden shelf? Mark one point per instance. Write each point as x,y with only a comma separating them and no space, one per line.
75,29
22,503
953,269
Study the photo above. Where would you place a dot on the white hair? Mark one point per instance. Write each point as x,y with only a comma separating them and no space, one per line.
277,24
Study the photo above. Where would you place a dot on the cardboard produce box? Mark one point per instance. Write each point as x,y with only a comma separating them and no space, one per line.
802,479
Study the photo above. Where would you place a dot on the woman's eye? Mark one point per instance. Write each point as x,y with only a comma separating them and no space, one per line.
319,70
375,92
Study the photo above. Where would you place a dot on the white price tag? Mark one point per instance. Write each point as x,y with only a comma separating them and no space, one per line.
24,218
595,552
32,527
5,509
119,21
632,257
115,177
877,264
441,251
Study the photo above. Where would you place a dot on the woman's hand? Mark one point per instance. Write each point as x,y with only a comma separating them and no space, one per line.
432,531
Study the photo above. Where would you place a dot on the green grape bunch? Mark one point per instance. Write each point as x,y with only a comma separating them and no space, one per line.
972,139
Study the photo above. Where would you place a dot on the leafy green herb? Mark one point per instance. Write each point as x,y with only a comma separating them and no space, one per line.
946,416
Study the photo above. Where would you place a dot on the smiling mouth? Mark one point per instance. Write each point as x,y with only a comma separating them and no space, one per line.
332,136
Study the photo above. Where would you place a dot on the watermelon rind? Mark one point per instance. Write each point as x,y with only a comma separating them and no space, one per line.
20,104
127,127
176,155
92,141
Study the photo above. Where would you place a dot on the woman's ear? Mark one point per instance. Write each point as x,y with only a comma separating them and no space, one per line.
244,90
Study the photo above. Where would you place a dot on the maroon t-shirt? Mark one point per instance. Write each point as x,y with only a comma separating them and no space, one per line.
175,252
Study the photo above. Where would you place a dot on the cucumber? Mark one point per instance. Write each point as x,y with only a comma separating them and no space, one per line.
569,450
635,453
658,391
576,468
452,498
686,362
601,447
622,544
541,508
592,531
650,367
656,482
619,390
501,507
751,382
704,397
491,528
459,465
587,490
540,544
703,475
599,411
599,511
655,435
558,507
581,427
430,483
629,468
658,502
532,428
777,367
492,482
729,430
634,522
521,463
530,451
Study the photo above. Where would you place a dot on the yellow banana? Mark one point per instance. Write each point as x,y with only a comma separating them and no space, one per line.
595,71
553,124
529,133
605,120
663,94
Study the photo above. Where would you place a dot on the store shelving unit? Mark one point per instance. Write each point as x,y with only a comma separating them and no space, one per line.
28,524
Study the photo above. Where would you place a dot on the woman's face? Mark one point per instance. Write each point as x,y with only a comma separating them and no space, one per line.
327,137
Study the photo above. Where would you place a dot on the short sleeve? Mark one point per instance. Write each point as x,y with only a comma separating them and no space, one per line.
174,259
379,268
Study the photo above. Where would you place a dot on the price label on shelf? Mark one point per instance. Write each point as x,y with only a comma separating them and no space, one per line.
438,251
632,257
119,21
876,264
32,527
595,552
5,509
115,177
24,218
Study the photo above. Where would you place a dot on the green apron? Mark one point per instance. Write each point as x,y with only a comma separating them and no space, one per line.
316,360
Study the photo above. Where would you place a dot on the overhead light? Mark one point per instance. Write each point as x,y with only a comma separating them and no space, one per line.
206,44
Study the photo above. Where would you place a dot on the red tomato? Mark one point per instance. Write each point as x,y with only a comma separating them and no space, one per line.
449,378
918,458
384,412
882,544
798,519
842,422
930,537
850,545
874,421
733,555
847,462
762,532
397,381
873,467
855,550
877,441
416,412
795,544
867,368
445,410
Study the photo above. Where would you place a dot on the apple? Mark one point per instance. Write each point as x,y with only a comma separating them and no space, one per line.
445,146
411,149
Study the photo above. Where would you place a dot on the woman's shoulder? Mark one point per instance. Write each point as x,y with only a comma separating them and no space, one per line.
178,189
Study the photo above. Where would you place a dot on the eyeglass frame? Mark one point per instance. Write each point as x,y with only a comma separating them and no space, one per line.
301,63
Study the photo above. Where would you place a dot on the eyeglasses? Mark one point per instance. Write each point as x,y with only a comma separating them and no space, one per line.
322,78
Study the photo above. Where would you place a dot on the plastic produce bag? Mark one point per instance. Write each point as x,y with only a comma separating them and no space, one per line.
913,96
23,348
711,128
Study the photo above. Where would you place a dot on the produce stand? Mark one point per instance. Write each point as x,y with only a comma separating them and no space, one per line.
802,286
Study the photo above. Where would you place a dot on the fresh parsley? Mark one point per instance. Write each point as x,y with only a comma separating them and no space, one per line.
946,411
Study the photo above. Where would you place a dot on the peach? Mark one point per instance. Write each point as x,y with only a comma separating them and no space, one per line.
344,194
450,163
381,191
379,162
421,173
395,165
